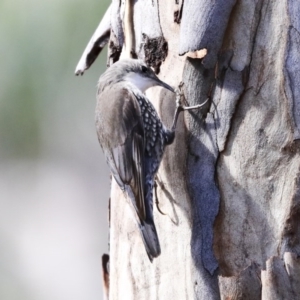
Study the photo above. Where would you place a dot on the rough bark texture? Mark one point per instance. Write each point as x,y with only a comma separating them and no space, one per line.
229,184
96,44
240,152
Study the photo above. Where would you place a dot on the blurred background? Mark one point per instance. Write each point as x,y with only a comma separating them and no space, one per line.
54,183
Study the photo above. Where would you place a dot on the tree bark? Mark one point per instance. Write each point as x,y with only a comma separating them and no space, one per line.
229,184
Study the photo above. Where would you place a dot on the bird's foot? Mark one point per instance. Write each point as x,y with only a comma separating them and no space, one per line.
156,197
181,107
181,102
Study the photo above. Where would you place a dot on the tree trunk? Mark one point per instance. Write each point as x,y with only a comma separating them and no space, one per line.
229,184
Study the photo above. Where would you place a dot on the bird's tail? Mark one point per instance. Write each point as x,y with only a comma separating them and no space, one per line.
150,239
146,226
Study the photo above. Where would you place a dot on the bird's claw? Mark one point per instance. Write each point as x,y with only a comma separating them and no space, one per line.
180,99
156,197
157,206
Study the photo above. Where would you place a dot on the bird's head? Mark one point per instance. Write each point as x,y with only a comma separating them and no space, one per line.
143,77
133,71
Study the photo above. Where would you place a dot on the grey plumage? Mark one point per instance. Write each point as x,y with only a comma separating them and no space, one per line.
133,138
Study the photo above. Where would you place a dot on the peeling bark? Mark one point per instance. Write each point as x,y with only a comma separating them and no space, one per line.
116,34
201,160
96,44
156,51
178,12
291,232
246,285
105,276
203,25
273,278
229,184
292,265
114,49
129,30
292,68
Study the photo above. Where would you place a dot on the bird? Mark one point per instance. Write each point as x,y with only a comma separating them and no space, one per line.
133,138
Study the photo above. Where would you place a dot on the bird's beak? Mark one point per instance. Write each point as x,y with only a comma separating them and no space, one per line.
166,86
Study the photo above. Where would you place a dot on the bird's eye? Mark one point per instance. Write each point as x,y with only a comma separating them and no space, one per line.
144,69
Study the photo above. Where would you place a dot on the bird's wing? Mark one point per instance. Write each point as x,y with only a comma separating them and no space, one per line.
123,137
